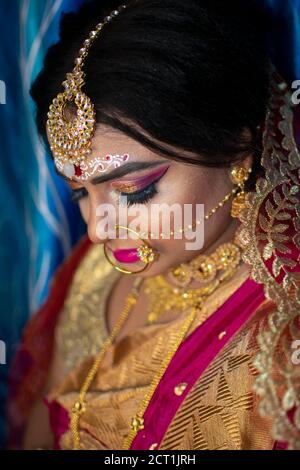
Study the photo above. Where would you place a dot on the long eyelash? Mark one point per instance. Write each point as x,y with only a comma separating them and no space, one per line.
78,194
142,196
139,197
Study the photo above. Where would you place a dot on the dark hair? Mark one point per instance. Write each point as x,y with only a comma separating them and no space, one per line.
193,75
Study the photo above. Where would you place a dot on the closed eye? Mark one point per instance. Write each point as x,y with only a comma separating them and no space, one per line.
140,197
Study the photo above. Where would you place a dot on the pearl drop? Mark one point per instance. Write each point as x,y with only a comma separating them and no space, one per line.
69,170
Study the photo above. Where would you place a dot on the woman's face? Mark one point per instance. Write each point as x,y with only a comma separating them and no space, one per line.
147,179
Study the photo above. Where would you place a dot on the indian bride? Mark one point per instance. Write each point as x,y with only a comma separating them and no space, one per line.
147,342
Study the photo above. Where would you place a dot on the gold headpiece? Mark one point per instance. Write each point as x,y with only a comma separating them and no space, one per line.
271,237
70,138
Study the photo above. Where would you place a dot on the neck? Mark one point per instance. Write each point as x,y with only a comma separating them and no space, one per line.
227,236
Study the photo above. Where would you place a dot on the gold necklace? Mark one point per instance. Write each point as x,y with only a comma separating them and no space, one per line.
137,422
164,297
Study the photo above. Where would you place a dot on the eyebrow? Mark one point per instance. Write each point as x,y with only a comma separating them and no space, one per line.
130,167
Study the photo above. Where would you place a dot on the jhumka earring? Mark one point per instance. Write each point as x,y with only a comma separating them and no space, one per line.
239,176
141,256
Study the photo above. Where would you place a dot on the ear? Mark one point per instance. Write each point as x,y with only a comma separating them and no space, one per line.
247,162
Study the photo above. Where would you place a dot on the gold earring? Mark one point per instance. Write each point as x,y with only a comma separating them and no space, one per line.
239,176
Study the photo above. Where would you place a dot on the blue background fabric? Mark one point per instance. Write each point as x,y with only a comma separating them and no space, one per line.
38,223
284,36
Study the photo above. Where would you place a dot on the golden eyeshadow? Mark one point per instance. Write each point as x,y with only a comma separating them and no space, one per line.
127,188
137,184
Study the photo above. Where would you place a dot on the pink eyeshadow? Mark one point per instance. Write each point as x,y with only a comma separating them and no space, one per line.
137,184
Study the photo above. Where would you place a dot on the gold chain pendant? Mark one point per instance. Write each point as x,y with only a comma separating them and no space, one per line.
79,406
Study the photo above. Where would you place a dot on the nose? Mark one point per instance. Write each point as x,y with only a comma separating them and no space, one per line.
92,228
99,220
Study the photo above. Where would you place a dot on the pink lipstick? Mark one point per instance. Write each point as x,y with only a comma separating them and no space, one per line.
126,256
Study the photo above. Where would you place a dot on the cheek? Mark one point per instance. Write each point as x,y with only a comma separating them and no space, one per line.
206,187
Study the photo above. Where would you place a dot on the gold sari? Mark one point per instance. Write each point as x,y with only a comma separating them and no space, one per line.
221,410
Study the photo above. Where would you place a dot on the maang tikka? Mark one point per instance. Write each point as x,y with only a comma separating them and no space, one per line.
70,138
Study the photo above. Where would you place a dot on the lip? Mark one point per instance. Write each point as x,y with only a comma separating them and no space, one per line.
126,256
